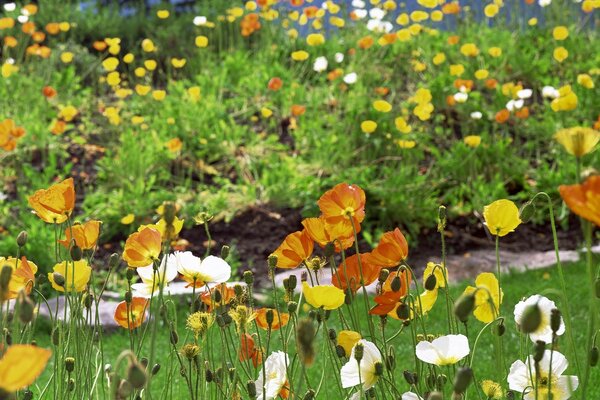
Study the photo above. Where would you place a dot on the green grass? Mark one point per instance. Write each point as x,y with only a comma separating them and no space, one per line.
516,285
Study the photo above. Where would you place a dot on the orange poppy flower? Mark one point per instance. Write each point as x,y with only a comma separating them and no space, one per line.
451,8
583,199
226,293
341,202
55,204
491,83
295,249
341,234
389,300
9,134
452,40
49,92
248,351
382,91
365,42
279,319
523,113
502,116
53,28
450,100
85,235
136,315
349,276
142,248
391,249
298,110
275,84
22,278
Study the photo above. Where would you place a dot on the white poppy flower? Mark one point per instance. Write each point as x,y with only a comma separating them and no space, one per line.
514,105
550,92
524,93
377,25
151,281
8,7
544,3
350,78
320,64
200,20
22,19
461,97
476,115
544,331
411,396
376,13
339,57
522,377
211,269
445,350
358,4
273,377
368,374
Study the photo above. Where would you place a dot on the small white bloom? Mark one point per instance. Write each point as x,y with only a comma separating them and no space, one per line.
151,280
550,92
211,269
353,373
461,97
476,115
544,3
351,78
22,19
200,20
339,57
376,13
360,13
522,377
273,377
514,105
10,61
411,396
358,4
376,25
8,7
445,350
25,12
320,64
3,196
544,331
524,93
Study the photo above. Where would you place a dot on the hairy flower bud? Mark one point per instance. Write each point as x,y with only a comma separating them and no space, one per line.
532,318
431,282
69,364
464,306
114,261
463,379
383,275
249,277
396,284
251,388
594,355
359,350
225,252
538,351
22,238
555,319
526,212
292,306
59,279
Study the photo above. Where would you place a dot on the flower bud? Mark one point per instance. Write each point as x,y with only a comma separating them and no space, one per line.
224,252
339,351
292,282
349,296
403,311
396,284
208,375
248,278
69,364
5,275
332,334
594,355
22,238
144,362
305,335
269,316
442,218
597,287
26,308
463,379
464,306
169,211
130,274
410,377
359,350
538,350
555,319
251,388
292,306
430,282
114,261
532,318
125,389
155,369
27,395
527,211
59,280
70,385
174,337
500,328
76,252
136,375
128,297
218,296
88,300
383,275
55,336
309,395
378,369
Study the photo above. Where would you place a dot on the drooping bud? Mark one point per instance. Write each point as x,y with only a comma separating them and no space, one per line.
555,319
403,311
500,328
463,307
526,212
155,369
251,388
383,275
76,252
332,334
430,282
26,308
174,337
59,279
55,336
70,385
396,284
531,319
225,252
136,375
169,211
463,379
594,355
88,300
114,261
125,389
249,277
22,239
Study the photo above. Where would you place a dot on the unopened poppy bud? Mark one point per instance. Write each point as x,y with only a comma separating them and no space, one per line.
410,377
349,296
378,369
464,306
5,275
218,296
538,350
136,375
248,278
251,388
359,350
125,389
224,252
309,395
269,316
7,337
218,375
527,211
594,355
441,380
272,261
169,211
390,362
403,311
128,297
70,385
396,284
22,239
69,364
144,362
532,318
88,300
292,282
26,308
231,372
329,250
155,369
597,287
430,282
383,275
442,217
463,379
332,334
555,319
339,351
500,328
55,337
292,306
59,280
305,336
27,395
114,261
76,252
130,274
174,337
238,290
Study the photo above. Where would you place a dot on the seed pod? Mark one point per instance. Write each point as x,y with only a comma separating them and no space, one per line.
69,364
248,278
383,275
251,388
224,252
531,319
527,211
272,261
430,282
22,238
594,355
555,319
464,306
463,379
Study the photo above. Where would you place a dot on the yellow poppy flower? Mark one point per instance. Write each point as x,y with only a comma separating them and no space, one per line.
21,365
501,217
347,339
299,55
560,54
368,126
382,106
578,141
76,277
488,297
439,271
201,41
315,39
560,33
327,296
